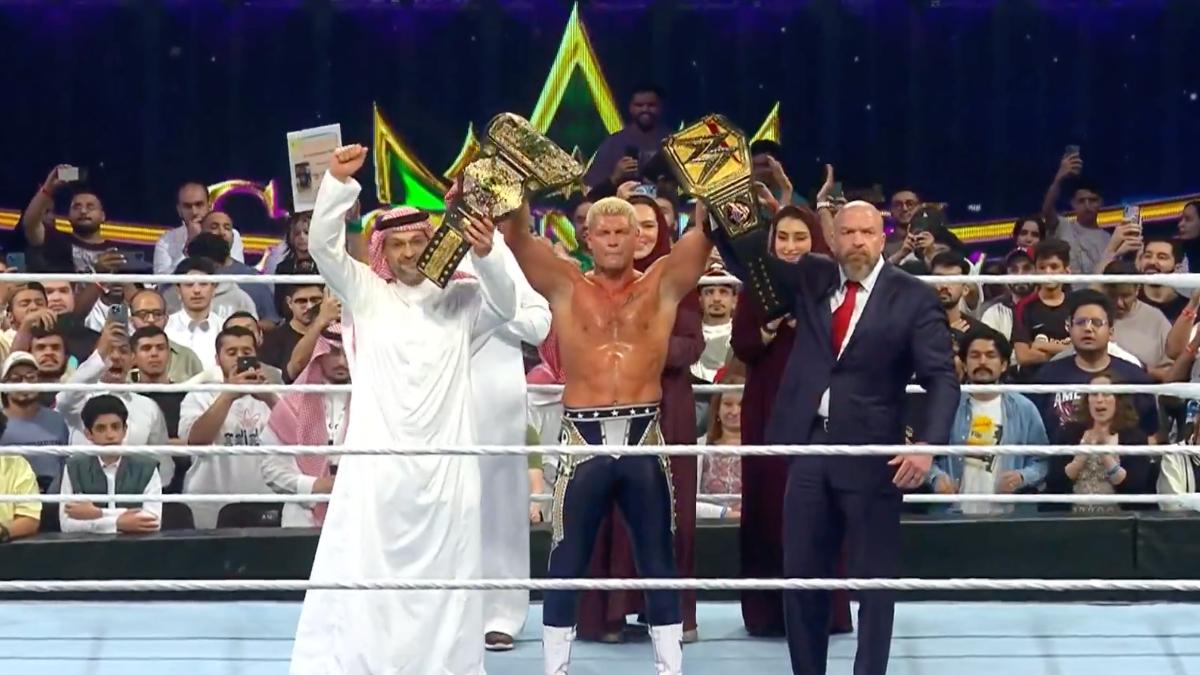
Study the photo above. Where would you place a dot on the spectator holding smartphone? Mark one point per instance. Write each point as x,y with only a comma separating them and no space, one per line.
105,422
85,249
110,364
1087,240
227,418
620,156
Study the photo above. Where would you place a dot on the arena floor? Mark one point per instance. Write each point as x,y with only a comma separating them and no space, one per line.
254,638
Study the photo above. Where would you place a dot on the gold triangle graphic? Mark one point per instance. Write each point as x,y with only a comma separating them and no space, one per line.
769,131
387,140
575,51
470,148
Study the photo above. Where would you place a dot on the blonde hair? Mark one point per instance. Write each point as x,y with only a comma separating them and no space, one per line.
611,206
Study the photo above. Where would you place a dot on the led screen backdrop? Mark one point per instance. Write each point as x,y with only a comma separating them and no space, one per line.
969,102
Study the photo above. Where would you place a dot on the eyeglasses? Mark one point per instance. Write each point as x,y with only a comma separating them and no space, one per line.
1083,322
904,202
149,314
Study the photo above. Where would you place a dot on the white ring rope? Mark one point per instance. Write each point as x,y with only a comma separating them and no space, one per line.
1178,280
269,498
1177,389
902,584
591,450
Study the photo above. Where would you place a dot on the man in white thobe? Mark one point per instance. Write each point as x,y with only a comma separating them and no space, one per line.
408,343
499,404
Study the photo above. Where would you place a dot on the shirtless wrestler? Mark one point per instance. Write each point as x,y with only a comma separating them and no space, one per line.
613,325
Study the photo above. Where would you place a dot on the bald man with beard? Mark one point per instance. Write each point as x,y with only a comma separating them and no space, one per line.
864,329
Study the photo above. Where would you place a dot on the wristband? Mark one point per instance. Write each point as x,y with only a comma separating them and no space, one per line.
825,205
1113,471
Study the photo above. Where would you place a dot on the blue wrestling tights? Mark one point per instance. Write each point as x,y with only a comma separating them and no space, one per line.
586,490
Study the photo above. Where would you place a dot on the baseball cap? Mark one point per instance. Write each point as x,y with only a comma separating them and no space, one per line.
16,359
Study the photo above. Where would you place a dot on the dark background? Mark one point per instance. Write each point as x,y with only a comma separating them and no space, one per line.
970,102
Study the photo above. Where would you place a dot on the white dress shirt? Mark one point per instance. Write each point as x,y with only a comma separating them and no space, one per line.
107,522
866,287
146,424
198,336
169,249
283,474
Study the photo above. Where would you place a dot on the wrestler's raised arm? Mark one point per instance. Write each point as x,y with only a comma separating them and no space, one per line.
549,275
682,267
327,232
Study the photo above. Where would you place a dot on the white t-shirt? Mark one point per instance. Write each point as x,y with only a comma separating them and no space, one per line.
224,474
1087,244
979,472
1143,333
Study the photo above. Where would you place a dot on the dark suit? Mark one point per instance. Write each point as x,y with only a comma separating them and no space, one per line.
902,331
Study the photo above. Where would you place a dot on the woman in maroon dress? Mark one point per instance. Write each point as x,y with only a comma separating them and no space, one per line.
764,348
602,614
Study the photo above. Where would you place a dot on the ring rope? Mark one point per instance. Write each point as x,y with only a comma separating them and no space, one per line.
271,498
872,584
1178,280
1177,389
587,451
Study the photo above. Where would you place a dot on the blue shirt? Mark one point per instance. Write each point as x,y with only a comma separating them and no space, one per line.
47,427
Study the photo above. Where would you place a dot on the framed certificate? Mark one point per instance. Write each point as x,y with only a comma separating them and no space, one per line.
309,152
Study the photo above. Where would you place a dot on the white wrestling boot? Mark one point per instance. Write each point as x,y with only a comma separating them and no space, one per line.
556,649
668,649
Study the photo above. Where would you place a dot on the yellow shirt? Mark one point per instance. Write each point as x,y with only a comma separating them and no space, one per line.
16,478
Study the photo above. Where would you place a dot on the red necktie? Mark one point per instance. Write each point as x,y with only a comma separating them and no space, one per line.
841,317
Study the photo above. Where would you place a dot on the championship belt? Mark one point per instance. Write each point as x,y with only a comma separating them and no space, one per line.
711,159
515,161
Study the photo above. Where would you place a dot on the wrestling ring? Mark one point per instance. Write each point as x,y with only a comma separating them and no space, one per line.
100,636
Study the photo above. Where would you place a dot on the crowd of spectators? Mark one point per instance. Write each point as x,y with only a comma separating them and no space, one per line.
199,331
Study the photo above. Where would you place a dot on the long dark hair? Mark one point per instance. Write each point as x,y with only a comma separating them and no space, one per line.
809,218
1041,225
662,245
1124,418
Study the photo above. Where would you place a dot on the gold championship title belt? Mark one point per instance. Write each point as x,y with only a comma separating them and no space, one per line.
711,159
515,160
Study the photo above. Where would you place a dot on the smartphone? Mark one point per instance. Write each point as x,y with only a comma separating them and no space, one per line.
113,294
15,261
245,363
119,314
631,151
1071,150
68,174
1133,214
837,194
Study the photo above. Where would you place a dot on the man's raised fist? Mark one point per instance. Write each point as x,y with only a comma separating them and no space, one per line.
347,160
